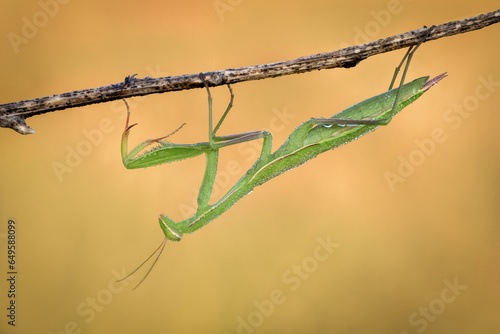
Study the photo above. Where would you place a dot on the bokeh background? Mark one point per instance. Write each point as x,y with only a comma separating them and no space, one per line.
417,254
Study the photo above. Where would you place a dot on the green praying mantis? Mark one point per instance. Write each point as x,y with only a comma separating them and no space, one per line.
309,139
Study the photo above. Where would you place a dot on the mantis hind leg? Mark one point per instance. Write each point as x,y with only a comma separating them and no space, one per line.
409,55
407,58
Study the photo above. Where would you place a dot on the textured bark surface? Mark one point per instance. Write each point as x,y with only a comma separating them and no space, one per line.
12,115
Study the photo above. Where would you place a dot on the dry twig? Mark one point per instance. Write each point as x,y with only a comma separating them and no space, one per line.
12,115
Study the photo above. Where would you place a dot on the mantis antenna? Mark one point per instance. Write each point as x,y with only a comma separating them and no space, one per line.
162,246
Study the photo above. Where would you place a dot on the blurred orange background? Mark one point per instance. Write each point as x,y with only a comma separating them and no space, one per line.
331,247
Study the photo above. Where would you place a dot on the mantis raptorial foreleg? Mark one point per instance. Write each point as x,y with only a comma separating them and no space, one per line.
309,139
152,152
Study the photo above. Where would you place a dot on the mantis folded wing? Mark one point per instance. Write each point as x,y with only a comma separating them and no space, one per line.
309,139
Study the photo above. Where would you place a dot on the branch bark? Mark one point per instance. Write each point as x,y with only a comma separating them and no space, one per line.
12,115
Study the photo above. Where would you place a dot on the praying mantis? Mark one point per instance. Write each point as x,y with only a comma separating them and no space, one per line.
309,139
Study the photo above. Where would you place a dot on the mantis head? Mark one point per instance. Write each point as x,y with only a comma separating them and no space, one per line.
168,226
